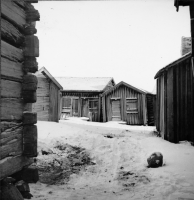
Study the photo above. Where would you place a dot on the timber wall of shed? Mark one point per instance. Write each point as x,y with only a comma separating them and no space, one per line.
175,107
124,92
12,104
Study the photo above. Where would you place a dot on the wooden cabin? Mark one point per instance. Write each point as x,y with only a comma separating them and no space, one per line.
124,102
175,97
48,101
19,49
81,96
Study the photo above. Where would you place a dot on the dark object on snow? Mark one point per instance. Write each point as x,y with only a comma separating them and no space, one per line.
155,160
46,151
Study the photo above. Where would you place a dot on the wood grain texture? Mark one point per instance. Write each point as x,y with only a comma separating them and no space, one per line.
11,34
10,52
30,141
13,164
12,70
31,46
11,89
13,13
30,64
11,109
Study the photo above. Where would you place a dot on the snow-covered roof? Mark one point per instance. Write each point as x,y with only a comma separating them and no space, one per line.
46,73
96,84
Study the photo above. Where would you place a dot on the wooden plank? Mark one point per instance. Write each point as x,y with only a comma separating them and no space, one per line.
14,164
10,52
170,106
13,13
10,89
12,70
11,109
11,34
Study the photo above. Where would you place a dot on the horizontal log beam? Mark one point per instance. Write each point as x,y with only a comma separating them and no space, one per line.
7,126
29,117
31,46
13,13
30,82
30,30
30,64
11,89
10,52
11,34
14,164
30,141
32,14
12,147
29,96
11,69
11,109
28,174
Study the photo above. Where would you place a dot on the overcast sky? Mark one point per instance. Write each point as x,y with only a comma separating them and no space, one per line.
127,40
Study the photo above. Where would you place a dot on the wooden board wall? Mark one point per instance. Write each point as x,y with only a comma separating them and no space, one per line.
42,105
175,97
124,92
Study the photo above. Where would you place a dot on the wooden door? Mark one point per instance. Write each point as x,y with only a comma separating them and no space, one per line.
93,110
66,107
84,108
75,107
116,109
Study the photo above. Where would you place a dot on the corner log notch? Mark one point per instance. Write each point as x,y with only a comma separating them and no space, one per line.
18,134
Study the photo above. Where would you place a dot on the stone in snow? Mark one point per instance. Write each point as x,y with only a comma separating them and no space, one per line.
155,160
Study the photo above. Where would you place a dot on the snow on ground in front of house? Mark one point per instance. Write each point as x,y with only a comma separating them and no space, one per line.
117,167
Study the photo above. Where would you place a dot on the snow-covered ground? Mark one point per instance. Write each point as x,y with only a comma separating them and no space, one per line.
117,167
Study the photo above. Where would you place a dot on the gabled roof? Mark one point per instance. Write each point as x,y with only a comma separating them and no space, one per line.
45,72
85,84
127,85
172,64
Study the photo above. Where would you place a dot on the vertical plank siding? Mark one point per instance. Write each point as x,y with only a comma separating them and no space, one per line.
175,97
43,100
123,92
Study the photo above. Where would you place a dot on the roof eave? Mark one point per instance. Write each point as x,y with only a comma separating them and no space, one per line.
172,64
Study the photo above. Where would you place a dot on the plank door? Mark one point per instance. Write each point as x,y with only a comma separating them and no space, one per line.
93,110
116,110
75,107
66,107
84,108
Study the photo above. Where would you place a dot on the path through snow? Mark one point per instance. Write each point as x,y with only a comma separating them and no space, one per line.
118,171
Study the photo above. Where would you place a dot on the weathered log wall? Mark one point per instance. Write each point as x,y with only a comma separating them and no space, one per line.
18,46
